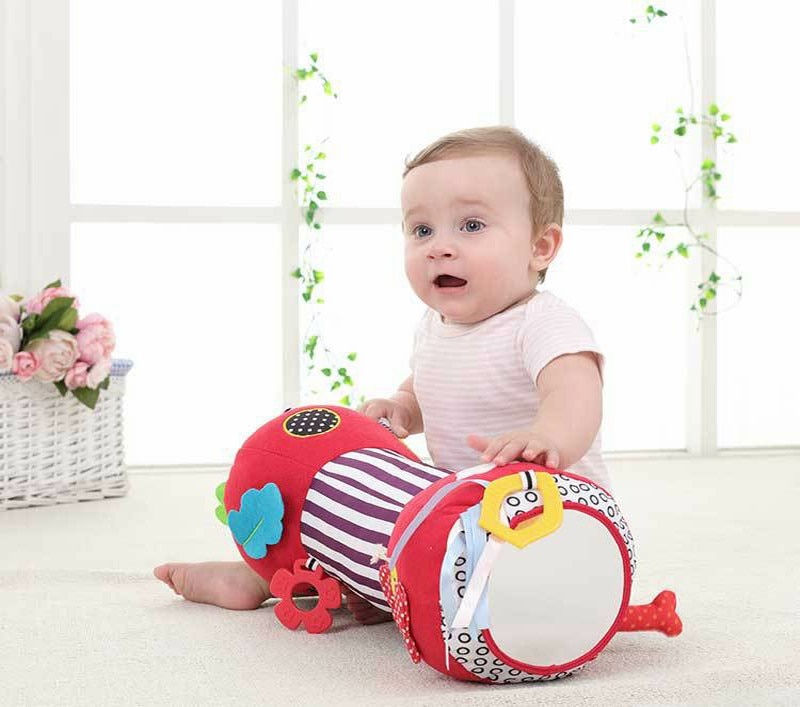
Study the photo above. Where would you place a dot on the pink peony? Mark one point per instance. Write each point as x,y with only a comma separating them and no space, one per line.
77,375
6,356
37,303
57,354
8,307
25,365
96,338
98,373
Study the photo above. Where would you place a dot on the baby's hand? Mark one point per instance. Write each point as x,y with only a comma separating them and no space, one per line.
524,445
398,416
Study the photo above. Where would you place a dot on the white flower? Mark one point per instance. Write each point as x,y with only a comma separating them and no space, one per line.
57,353
8,307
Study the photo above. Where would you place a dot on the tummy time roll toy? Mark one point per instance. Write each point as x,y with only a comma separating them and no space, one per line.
496,574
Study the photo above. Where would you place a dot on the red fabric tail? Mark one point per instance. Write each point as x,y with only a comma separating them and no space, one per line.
659,615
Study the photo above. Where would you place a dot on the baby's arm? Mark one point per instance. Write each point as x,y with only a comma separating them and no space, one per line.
570,412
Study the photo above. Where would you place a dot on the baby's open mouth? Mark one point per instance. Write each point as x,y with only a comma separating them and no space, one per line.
449,281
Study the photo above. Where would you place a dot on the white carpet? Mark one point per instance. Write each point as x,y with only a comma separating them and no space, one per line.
83,621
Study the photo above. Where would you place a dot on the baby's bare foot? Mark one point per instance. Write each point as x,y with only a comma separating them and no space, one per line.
362,610
231,585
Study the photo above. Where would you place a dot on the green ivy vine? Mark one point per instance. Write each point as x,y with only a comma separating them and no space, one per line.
308,177
707,177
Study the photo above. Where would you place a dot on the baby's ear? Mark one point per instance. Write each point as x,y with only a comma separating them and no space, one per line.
546,245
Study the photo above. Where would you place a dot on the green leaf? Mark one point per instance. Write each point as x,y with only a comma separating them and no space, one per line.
683,250
656,127
658,218
724,117
342,371
714,278
322,196
328,88
295,173
713,109
314,57
320,176
661,13
326,371
707,164
55,308
87,396
221,513
62,388
680,130
352,356
702,303
68,320
55,283
320,156
29,323
646,247
653,139
319,276
317,226
104,385
296,273
336,385
345,400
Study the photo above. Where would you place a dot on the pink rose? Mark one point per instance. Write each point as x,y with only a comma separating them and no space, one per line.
8,307
37,303
6,356
96,338
25,365
98,373
57,354
77,375
11,331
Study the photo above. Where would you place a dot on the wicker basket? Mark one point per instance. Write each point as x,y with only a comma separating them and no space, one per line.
54,449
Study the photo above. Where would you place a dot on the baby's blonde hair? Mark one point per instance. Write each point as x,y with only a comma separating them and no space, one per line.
541,173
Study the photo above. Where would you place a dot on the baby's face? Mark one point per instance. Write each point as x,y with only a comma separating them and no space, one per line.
468,217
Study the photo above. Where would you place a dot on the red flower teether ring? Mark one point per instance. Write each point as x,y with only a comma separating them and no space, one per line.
316,620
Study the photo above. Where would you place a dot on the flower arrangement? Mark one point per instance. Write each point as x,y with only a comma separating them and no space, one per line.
44,338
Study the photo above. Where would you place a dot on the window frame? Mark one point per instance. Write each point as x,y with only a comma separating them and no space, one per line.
37,213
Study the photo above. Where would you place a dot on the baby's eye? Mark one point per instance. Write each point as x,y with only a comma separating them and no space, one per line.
415,230
474,220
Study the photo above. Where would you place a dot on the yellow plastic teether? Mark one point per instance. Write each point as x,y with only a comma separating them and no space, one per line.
534,528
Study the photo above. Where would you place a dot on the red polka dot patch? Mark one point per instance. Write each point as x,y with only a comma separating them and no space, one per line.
398,601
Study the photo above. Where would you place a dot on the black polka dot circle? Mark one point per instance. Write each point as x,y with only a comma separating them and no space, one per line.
308,423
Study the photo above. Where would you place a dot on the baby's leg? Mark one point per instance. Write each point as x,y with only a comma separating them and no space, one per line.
231,585
362,610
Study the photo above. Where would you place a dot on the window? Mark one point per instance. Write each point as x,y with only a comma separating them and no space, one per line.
154,141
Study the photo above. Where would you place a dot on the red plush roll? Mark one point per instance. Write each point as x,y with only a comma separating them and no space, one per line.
510,574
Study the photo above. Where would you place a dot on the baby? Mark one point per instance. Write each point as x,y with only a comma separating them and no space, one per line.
500,370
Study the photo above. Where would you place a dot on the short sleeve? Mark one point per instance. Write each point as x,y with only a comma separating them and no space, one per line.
551,331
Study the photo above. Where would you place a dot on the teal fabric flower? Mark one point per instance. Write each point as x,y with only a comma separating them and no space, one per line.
259,520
